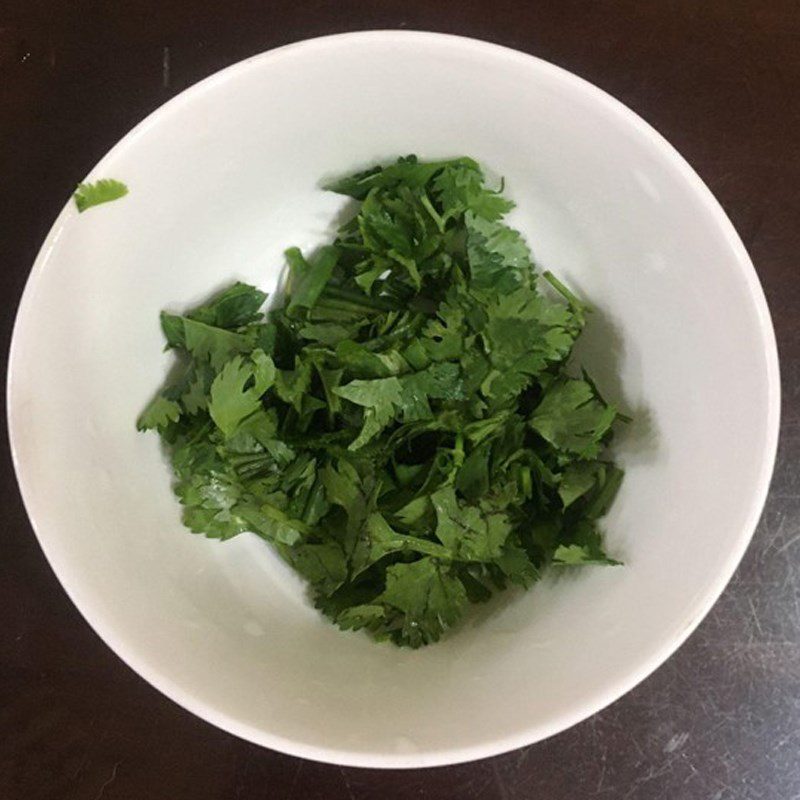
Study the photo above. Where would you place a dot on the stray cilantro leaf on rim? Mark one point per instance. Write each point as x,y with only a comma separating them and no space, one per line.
102,191
402,427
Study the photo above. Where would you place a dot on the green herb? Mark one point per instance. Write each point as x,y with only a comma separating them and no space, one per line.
103,191
402,427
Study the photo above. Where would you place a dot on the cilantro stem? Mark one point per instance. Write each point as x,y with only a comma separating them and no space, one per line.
574,303
357,299
428,206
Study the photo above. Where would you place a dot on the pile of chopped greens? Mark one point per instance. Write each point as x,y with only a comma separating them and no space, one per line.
402,429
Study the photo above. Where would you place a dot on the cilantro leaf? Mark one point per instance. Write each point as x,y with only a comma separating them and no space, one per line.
431,598
363,363
158,414
345,488
292,385
467,533
586,548
460,188
498,256
380,540
436,382
102,191
361,616
271,523
516,565
204,342
323,565
236,392
308,279
572,417
523,335
578,478
378,398
233,308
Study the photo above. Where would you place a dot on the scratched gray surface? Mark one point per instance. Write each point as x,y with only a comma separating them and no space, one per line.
721,719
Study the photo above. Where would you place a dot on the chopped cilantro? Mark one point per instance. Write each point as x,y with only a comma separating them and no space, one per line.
402,427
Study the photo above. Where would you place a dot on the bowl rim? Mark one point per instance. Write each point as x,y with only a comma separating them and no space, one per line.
620,684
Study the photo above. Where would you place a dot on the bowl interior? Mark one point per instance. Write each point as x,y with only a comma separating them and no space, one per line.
221,180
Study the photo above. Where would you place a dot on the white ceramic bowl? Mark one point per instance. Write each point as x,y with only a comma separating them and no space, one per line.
222,179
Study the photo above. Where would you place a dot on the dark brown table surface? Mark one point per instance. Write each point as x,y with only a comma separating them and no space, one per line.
721,719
